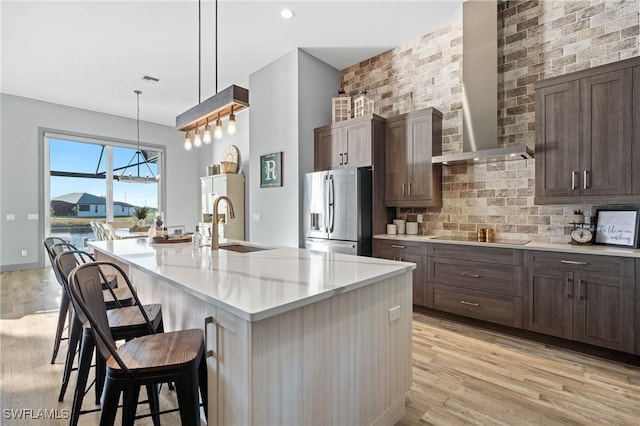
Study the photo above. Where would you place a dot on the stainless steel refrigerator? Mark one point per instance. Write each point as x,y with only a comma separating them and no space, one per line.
337,211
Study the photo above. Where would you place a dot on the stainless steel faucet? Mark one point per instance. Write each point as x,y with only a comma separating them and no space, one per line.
214,222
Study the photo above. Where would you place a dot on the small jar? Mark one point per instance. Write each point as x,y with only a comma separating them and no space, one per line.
482,235
196,238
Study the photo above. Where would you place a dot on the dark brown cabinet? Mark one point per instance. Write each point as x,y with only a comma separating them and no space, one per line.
478,282
349,143
411,140
581,297
585,144
406,251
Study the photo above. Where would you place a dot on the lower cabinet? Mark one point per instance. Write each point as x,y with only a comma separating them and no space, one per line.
489,287
585,298
407,251
580,297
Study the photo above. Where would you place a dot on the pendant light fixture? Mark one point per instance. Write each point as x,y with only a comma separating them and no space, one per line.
224,103
138,158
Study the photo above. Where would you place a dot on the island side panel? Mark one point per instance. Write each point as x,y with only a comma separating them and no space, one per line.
226,338
338,361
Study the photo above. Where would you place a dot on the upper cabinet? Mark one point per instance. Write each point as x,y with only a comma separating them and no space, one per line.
586,149
411,140
349,143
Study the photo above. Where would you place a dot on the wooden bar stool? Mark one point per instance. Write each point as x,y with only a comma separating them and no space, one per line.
148,360
115,298
54,246
127,322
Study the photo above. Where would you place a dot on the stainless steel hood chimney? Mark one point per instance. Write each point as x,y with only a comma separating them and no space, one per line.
480,89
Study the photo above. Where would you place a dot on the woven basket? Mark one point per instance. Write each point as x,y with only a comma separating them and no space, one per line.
228,167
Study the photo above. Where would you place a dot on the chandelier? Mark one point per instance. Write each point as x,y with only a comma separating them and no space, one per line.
224,103
138,158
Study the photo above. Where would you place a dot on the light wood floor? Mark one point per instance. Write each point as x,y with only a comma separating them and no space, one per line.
462,374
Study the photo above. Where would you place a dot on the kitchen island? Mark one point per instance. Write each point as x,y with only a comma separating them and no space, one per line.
293,336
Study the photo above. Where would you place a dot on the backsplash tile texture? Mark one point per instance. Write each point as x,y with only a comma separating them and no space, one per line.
536,40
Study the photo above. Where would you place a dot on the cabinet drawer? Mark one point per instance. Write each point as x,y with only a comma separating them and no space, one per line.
382,248
482,254
618,266
491,277
490,307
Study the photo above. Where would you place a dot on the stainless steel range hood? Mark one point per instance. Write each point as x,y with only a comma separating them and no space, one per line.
480,89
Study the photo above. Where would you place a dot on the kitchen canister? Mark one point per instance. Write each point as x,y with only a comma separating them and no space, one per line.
392,229
412,228
400,223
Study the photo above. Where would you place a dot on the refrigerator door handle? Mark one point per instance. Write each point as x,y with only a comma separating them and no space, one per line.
325,208
332,206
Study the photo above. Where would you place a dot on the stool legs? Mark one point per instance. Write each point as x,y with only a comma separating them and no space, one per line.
74,337
84,364
62,317
203,385
110,402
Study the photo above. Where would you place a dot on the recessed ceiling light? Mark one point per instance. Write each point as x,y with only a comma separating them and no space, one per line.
286,13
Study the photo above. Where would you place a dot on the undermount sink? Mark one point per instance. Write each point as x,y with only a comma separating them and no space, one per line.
241,248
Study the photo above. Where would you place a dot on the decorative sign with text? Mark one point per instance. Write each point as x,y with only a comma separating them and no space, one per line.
617,228
271,170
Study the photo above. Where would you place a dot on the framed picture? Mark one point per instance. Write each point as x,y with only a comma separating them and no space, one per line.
617,228
271,170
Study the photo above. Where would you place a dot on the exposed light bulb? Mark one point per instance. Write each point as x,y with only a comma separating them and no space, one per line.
197,140
218,132
231,127
187,141
207,134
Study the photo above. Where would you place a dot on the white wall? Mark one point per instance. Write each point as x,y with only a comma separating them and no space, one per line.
289,99
317,83
212,154
21,171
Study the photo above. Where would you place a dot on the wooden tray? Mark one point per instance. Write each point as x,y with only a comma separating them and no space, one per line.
164,239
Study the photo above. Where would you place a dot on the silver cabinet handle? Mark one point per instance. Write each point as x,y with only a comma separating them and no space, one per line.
466,274
395,246
209,352
346,158
409,193
341,159
470,304
582,289
403,193
573,262
585,184
573,180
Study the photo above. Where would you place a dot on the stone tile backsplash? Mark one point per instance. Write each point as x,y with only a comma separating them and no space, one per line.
536,40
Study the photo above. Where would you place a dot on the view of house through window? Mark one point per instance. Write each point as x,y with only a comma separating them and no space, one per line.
95,182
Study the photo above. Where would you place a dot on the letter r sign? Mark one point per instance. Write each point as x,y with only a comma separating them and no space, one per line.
271,170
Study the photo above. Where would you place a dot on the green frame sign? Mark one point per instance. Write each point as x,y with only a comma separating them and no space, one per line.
271,170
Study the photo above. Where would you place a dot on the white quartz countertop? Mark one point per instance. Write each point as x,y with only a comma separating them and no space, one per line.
532,245
254,285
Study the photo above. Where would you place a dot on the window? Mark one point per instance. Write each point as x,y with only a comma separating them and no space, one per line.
83,172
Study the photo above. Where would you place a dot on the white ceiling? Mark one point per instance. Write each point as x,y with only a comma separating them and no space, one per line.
93,54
